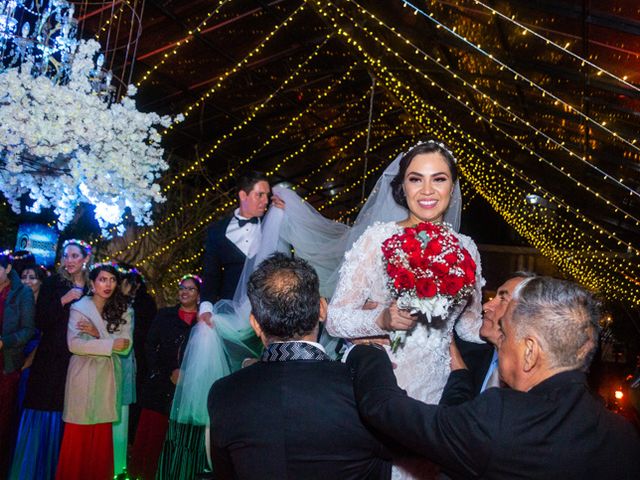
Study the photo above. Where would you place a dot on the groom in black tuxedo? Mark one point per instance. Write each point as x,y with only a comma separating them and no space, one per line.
292,414
228,240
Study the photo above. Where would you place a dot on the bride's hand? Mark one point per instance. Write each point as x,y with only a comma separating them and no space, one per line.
393,318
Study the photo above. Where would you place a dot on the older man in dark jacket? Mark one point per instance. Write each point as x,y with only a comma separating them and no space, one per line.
546,426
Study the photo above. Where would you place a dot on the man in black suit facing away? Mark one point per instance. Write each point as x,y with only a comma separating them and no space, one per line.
229,240
546,426
292,415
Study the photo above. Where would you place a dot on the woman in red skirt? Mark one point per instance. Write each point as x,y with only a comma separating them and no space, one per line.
98,333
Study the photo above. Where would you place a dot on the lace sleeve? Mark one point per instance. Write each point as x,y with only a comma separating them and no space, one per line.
360,274
470,319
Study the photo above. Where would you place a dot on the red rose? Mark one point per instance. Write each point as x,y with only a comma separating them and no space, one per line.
469,267
410,245
422,227
428,227
452,284
425,288
451,258
439,268
415,260
391,270
425,264
434,247
470,276
404,279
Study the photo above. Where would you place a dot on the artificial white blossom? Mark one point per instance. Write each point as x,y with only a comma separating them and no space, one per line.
62,145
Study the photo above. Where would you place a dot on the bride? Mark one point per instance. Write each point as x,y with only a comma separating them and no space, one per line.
425,187
421,185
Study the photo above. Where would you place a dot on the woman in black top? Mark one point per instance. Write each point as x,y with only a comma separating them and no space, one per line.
164,347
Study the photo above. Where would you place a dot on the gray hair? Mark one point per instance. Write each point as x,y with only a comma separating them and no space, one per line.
563,316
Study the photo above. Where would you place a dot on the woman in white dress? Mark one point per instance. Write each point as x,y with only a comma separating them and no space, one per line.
423,186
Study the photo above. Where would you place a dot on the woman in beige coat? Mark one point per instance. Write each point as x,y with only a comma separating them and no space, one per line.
98,333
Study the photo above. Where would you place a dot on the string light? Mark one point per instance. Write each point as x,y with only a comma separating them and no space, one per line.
178,264
209,218
201,224
180,43
567,246
519,76
548,41
238,127
347,167
582,272
492,124
357,183
108,22
235,69
507,110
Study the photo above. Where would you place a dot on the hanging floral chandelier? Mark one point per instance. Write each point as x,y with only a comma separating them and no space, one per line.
64,140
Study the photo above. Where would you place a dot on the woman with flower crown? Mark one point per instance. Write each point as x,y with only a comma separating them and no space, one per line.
41,427
98,334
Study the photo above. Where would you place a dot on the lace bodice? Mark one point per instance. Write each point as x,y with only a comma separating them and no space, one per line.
423,362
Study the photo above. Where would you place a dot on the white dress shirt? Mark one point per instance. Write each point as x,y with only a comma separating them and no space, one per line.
492,378
241,237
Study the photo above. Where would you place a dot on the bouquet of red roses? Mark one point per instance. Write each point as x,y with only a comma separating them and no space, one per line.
428,271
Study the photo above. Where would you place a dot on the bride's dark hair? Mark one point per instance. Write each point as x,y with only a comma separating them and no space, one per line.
116,304
429,146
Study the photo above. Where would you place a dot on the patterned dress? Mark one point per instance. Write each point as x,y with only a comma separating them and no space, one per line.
423,362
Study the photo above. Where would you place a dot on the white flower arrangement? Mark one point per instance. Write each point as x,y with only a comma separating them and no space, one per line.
62,145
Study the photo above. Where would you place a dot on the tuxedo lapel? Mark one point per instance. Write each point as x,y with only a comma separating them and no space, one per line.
288,351
227,244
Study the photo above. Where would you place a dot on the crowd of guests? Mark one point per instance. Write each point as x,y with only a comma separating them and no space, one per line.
96,381
88,367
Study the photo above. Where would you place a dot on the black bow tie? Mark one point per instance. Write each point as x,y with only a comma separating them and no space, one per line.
242,222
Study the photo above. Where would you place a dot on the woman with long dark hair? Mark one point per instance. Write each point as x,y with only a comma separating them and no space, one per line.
420,186
41,427
92,391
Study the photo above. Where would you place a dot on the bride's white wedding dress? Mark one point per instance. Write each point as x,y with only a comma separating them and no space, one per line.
423,362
